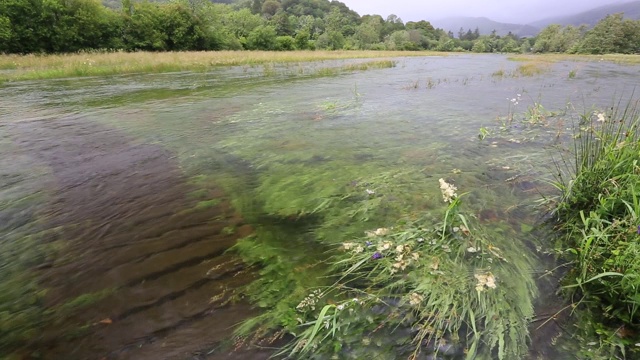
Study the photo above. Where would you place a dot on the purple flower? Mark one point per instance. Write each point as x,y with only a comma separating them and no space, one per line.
369,243
376,256
638,229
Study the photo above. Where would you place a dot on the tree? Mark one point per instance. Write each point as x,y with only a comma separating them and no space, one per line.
366,35
241,23
262,38
332,40
398,40
5,32
270,8
612,34
282,23
301,41
183,30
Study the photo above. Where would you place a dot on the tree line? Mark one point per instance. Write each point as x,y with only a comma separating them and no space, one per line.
59,26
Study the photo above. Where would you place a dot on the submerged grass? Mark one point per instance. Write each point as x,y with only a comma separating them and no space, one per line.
428,285
31,67
598,216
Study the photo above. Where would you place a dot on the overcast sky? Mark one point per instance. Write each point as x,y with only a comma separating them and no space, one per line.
514,11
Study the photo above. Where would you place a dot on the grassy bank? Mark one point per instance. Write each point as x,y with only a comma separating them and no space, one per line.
615,58
32,67
598,219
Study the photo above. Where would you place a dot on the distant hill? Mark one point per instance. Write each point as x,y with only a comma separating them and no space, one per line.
631,10
484,25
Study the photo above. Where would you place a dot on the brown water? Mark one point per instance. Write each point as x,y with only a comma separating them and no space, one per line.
121,195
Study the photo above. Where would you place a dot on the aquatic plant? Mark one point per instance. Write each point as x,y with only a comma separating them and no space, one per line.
531,69
598,216
425,285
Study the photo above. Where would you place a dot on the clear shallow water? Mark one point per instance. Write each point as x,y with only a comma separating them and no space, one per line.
122,194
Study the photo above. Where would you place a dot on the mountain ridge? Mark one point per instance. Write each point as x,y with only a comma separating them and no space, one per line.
590,17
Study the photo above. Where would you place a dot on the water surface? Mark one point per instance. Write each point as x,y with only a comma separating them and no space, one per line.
120,195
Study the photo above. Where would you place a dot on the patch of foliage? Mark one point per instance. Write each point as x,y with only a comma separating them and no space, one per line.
598,216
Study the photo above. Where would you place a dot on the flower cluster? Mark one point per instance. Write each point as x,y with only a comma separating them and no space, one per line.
515,100
310,301
486,280
385,245
404,258
377,232
600,116
357,248
415,299
349,302
448,191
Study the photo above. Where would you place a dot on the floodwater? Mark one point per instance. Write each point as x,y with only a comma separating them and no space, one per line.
120,196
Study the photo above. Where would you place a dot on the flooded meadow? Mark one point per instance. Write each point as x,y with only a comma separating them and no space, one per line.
195,215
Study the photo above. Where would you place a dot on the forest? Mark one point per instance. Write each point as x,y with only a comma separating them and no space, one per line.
65,26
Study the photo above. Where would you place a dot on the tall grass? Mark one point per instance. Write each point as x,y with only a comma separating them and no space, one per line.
30,67
597,215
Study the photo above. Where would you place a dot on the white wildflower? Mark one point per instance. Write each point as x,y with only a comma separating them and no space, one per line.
434,265
415,299
370,192
348,245
415,256
310,301
601,117
400,248
377,232
385,245
485,280
471,249
358,249
448,191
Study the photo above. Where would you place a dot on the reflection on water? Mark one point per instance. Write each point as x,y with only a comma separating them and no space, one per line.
120,195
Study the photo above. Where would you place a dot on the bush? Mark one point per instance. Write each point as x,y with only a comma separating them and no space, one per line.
262,38
285,43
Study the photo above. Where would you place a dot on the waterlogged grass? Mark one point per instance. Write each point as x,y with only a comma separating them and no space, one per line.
270,74
532,69
598,218
360,213
422,285
32,67
552,58
528,69
21,251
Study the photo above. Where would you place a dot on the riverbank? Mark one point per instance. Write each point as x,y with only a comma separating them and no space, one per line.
35,67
